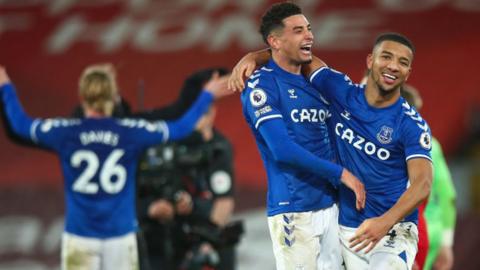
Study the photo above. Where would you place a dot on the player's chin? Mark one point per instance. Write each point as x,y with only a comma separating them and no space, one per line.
305,60
386,88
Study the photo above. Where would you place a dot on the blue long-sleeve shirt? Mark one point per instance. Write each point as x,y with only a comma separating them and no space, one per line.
99,158
287,118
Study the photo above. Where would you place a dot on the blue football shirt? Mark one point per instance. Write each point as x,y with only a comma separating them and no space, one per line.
273,93
99,159
373,143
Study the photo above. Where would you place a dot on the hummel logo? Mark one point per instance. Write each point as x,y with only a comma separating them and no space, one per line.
345,115
292,93
253,84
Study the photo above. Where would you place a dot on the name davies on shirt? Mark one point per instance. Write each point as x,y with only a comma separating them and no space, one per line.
99,136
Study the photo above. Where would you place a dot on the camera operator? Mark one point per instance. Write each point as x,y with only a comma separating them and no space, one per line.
185,197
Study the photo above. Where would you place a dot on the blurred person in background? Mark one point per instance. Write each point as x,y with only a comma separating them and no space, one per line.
440,211
469,150
189,92
99,156
185,187
121,107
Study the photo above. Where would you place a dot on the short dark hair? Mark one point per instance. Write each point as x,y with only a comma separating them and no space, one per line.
396,37
273,17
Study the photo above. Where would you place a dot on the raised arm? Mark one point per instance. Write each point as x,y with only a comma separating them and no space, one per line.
19,121
11,135
216,87
287,152
372,230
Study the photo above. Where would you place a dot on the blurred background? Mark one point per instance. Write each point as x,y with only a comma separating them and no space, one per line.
45,44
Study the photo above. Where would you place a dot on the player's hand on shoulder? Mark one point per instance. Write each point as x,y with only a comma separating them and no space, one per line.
217,85
3,76
242,70
353,183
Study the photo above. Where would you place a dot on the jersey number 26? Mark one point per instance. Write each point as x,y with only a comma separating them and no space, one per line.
112,175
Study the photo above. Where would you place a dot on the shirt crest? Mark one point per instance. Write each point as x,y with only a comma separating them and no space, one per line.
385,135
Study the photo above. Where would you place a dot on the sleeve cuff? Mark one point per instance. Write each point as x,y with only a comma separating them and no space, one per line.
315,73
209,95
260,120
418,156
337,178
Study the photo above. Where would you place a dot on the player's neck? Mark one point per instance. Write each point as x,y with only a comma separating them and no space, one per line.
379,98
89,113
286,64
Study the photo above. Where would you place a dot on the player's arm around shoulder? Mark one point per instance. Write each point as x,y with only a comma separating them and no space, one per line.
332,84
245,68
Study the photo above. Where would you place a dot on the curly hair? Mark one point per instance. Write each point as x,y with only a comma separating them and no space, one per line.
273,17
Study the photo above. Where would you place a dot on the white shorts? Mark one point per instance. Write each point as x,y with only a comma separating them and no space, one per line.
396,250
306,240
84,253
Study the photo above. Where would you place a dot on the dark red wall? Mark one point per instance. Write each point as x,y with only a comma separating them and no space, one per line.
163,41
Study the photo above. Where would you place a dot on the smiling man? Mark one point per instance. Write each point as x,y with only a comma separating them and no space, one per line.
383,141
387,144
287,118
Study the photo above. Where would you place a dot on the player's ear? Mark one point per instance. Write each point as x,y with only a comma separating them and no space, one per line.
273,41
408,73
369,61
